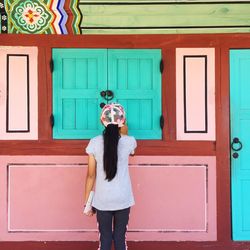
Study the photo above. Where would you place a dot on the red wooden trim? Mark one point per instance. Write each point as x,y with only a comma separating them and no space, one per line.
48,93
131,245
128,41
69,23
42,98
73,147
223,148
168,43
168,94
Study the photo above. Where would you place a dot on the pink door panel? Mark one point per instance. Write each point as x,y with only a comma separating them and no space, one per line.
41,198
195,94
18,93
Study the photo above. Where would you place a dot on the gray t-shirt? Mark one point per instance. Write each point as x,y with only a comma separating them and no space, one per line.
115,194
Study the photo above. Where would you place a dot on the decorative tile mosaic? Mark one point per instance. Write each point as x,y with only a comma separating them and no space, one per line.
33,16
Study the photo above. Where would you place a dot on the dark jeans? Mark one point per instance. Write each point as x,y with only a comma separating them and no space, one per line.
113,226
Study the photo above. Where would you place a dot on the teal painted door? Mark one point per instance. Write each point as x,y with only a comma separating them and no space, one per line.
240,128
81,74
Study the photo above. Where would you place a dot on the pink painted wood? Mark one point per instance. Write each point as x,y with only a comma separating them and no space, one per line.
18,93
41,198
195,94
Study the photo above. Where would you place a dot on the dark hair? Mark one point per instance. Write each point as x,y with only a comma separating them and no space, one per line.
111,137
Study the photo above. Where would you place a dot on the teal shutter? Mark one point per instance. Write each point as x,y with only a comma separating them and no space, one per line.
81,74
134,77
78,78
240,124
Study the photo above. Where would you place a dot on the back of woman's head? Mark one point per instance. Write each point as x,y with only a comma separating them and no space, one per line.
110,156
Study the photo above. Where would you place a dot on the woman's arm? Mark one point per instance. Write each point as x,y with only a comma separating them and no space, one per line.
90,178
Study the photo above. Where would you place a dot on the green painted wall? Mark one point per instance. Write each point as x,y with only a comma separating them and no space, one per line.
164,17
124,16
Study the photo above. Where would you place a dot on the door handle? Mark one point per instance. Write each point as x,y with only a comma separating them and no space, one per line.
108,95
102,105
236,144
235,155
103,93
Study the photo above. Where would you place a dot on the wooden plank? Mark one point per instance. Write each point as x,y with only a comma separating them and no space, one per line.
71,66
164,31
125,78
179,15
165,18
159,1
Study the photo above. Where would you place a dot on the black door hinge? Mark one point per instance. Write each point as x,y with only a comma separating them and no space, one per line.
52,121
161,66
51,65
162,121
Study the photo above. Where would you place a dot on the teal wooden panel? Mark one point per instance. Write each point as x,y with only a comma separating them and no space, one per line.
81,81
81,74
146,77
141,98
240,124
164,17
122,69
80,108
68,114
69,76
78,77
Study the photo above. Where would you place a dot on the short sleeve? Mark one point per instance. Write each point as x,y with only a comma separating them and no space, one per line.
90,149
133,145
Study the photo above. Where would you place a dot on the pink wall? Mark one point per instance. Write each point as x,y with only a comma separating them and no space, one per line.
195,94
41,198
18,93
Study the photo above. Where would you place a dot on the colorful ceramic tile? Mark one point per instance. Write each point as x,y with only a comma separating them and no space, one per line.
30,16
35,16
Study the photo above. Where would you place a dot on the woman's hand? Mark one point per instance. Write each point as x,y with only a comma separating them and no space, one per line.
90,212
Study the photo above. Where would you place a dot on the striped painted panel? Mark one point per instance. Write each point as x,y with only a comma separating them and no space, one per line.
109,17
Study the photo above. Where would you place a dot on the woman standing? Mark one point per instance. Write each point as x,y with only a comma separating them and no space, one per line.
108,170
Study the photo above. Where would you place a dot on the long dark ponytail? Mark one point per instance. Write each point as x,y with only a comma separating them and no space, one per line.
111,137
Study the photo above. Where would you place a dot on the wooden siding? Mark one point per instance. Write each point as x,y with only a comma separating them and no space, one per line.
80,75
159,17
162,1
168,146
